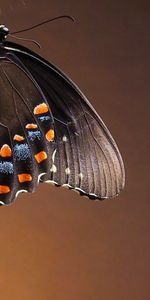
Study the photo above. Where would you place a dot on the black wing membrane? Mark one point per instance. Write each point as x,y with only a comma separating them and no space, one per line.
24,150
84,155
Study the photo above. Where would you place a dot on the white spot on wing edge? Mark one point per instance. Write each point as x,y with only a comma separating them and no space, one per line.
40,175
51,182
92,194
20,191
2,203
67,185
86,194
80,190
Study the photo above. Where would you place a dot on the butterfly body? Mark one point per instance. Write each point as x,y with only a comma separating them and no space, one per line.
49,132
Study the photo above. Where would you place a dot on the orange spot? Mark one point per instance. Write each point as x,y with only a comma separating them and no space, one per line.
5,151
40,109
4,189
40,156
24,177
18,138
31,126
50,135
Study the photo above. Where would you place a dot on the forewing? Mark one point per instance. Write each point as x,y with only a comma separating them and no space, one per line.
85,156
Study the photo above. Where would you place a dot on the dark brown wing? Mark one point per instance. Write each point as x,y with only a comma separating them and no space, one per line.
24,144
85,156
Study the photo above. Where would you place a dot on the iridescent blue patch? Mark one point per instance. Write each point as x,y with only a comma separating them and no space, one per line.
21,152
32,135
6,167
44,118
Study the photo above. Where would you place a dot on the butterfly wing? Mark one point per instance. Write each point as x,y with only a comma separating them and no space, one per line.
84,155
24,138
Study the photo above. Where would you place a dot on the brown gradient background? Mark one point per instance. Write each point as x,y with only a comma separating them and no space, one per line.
55,244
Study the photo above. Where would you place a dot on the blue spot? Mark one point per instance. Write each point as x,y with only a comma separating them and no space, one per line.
6,167
34,134
44,118
21,152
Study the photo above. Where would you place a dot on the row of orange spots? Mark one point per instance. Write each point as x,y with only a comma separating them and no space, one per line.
4,189
31,126
5,151
41,109
18,138
50,135
40,156
24,177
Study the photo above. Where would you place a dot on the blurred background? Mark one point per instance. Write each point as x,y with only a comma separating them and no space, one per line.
55,244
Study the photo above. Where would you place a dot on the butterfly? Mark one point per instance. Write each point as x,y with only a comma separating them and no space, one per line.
49,132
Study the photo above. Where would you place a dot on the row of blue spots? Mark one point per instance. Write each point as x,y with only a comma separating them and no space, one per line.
21,152
32,135
44,118
6,167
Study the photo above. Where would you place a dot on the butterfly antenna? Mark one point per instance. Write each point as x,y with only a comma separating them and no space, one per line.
23,39
44,22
